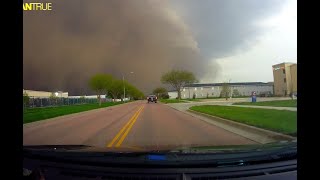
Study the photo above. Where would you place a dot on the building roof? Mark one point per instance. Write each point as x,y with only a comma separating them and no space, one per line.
231,84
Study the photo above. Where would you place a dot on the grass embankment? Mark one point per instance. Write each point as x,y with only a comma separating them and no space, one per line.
274,120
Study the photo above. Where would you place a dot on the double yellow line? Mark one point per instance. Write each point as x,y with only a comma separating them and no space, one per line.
125,130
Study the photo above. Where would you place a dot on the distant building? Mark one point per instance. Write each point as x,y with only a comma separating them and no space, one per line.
285,78
44,94
173,94
96,96
204,90
88,96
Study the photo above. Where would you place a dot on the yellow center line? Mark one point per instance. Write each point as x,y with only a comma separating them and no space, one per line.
128,129
123,129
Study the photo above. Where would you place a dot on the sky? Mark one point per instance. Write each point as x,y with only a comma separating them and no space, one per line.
277,45
217,40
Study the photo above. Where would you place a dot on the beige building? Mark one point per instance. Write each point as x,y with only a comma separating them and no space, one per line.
285,78
44,94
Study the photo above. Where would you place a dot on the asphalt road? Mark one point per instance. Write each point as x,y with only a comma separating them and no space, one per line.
135,125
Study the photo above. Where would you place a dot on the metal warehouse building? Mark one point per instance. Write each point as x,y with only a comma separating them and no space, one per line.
202,90
44,94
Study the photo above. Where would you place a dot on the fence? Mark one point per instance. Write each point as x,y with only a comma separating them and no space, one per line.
50,102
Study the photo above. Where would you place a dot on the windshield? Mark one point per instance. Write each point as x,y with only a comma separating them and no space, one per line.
157,75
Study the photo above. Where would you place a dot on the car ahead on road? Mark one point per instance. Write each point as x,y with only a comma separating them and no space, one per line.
152,98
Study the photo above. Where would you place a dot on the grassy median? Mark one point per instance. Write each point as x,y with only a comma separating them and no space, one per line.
279,103
37,114
172,101
275,120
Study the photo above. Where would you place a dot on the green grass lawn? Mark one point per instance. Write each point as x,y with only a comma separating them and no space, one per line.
172,101
279,103
275,120
37,114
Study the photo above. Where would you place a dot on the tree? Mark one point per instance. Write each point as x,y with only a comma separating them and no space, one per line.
160,92
235,93
115,88
53,99
82,99
178,79
26,99
225,91
166,96
131,91
100,83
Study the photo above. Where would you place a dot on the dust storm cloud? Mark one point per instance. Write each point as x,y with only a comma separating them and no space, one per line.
64,47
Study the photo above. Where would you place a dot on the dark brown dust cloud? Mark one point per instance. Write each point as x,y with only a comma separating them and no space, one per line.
64,47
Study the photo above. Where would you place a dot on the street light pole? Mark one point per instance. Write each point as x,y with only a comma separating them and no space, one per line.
124,86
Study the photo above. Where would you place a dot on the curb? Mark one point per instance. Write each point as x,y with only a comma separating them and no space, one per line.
254,130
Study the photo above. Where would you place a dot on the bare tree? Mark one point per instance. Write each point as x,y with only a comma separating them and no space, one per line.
225,91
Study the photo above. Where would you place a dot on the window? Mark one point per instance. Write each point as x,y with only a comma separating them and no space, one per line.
285,80
284,71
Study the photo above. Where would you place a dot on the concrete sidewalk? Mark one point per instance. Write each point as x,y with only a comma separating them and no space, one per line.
267,107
